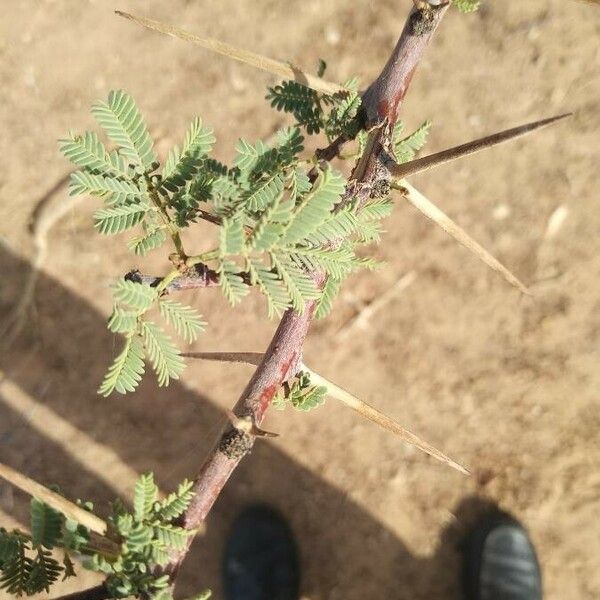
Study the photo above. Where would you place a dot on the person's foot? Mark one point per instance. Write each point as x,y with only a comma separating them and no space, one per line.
500,562
261,560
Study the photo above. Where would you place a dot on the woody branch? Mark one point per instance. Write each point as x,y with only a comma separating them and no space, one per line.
281,361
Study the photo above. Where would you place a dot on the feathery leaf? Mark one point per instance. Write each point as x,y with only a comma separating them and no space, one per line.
113,191
173,537
176,503
143,244
271,285
406,148
45,570
315,206
116,219
232,236
182,166
88,151
127,369
144,496
467,6
186,321
164,356
46,523
137,295
124,125
123,321
330,291
232,284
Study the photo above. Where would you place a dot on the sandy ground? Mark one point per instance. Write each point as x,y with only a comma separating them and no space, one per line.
508,385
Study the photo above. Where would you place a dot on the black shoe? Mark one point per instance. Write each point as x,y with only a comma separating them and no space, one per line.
261,560
500,562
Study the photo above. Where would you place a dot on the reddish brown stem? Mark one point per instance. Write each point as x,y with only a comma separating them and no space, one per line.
200,277
381,102
280,361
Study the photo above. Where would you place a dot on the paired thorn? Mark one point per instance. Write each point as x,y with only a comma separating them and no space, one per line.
276,67
56,501
431,211
400,171
247,425
361,407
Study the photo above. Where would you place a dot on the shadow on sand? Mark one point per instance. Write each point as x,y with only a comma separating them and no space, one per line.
346,553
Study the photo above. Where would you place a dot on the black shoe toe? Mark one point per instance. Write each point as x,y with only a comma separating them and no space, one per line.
261,560
500,562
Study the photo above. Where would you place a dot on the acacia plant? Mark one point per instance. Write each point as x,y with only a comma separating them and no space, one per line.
287,225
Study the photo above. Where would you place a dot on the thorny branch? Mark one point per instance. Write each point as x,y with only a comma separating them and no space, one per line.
284,354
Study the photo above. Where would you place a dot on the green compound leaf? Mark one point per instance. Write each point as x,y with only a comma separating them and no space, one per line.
136,295
263,193
231,236
182,166
467,6
114,192
406,148
309,399
16,572
341,120
289,144
299,183
164,356
139,537
186,321
110,221
315,207
124,125
171,536
337,262
270,285
301,101
231,282
175,503
144,496
10,545
88,151
125,373
328,295
298,284
369,219
247,155
46,524
143,244
45,570
271,225
123,321
337,226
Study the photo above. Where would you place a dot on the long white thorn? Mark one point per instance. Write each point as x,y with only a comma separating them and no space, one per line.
249,358
276,67
356,404
431,211
372,414
56,501
425,163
